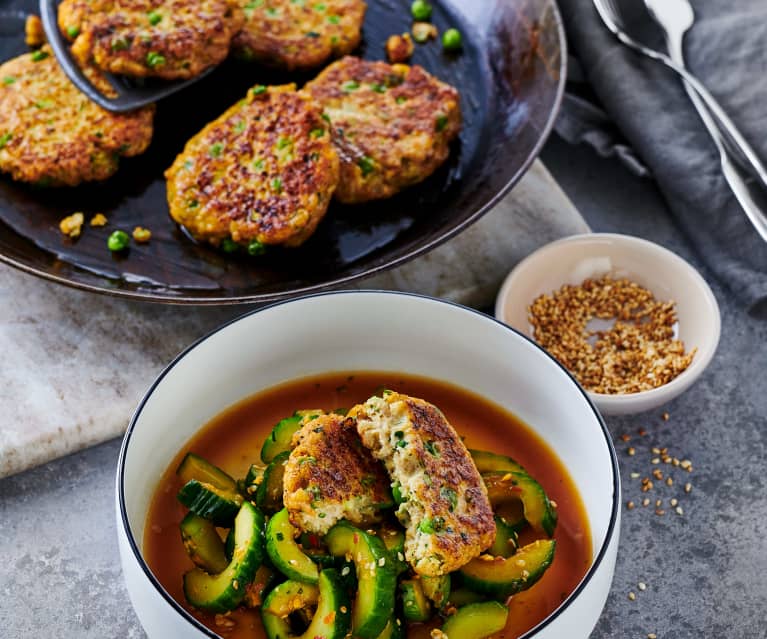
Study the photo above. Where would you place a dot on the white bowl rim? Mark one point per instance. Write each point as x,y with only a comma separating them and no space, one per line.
696,367
120,478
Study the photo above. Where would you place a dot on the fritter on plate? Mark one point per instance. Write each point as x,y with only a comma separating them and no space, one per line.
299,34
445,508
264,171
170,39
331,476
51,134
392,124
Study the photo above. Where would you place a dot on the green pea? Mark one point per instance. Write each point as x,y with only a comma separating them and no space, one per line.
256,248
421,10
73,31
118,241
440,123
452,40
228,245
154,17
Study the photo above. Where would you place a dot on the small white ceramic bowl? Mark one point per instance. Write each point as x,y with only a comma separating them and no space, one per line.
366,330
574,259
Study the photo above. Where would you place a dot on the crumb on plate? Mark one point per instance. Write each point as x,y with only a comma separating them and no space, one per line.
399,48
72,225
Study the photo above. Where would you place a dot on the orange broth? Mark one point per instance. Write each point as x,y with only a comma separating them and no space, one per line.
233,441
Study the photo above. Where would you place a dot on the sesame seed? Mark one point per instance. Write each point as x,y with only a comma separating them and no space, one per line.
674,501
669,481
630,505
631,451
345,571
632,596
658,502
679,510
688,488
344,609
634,475
645,502
665,417
520,562
553,503
507,477
525,574
292,562
642,586
382,561
656,460
656,451
652,635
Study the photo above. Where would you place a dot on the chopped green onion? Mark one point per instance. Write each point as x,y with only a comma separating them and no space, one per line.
317,133
215,149
351,85
366,164
39,55
440,123
119,44
4,139
378,88
283,142
258,89
154,17
334,19
277,185
9,79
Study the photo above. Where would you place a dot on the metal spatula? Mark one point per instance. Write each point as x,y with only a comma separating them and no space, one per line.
131,93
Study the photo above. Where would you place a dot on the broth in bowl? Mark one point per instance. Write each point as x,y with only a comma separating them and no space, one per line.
233,442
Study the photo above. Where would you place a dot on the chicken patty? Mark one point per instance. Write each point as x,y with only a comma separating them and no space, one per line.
171,39
392,124
265,172
331,476
51,134
299,34
445,508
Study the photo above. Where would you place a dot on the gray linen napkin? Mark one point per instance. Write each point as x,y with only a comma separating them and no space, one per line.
727,50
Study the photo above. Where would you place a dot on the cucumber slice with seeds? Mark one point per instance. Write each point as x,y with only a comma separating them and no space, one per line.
376,577
506,539
415,605
279,440
195,467
203,544
210,502
286,555
539,512
486,462
331,620
476,621
225,591
501,577
269,492
393,538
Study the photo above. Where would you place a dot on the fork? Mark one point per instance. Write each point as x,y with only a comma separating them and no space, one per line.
610,15
675,17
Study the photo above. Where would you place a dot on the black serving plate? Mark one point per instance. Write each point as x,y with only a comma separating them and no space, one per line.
510,75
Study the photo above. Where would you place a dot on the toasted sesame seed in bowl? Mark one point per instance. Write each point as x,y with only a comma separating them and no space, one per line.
633,322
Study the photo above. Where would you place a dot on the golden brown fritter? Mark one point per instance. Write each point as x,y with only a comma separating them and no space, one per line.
392,124
331,476
170,39
51,134
445,509
265,171
299,34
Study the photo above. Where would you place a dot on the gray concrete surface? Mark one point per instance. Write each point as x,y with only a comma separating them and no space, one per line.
704,570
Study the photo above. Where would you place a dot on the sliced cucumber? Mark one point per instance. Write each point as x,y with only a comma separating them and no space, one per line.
486,462
252,481
476,621
286,555
210,502
393,538
506,539
195,467
203,544
395,629
539,512
269,492
376,577
279,440
330,621
502,577
437,589
415,606
464,596
225,591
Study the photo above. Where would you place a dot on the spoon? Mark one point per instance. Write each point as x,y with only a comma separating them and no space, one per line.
130,95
